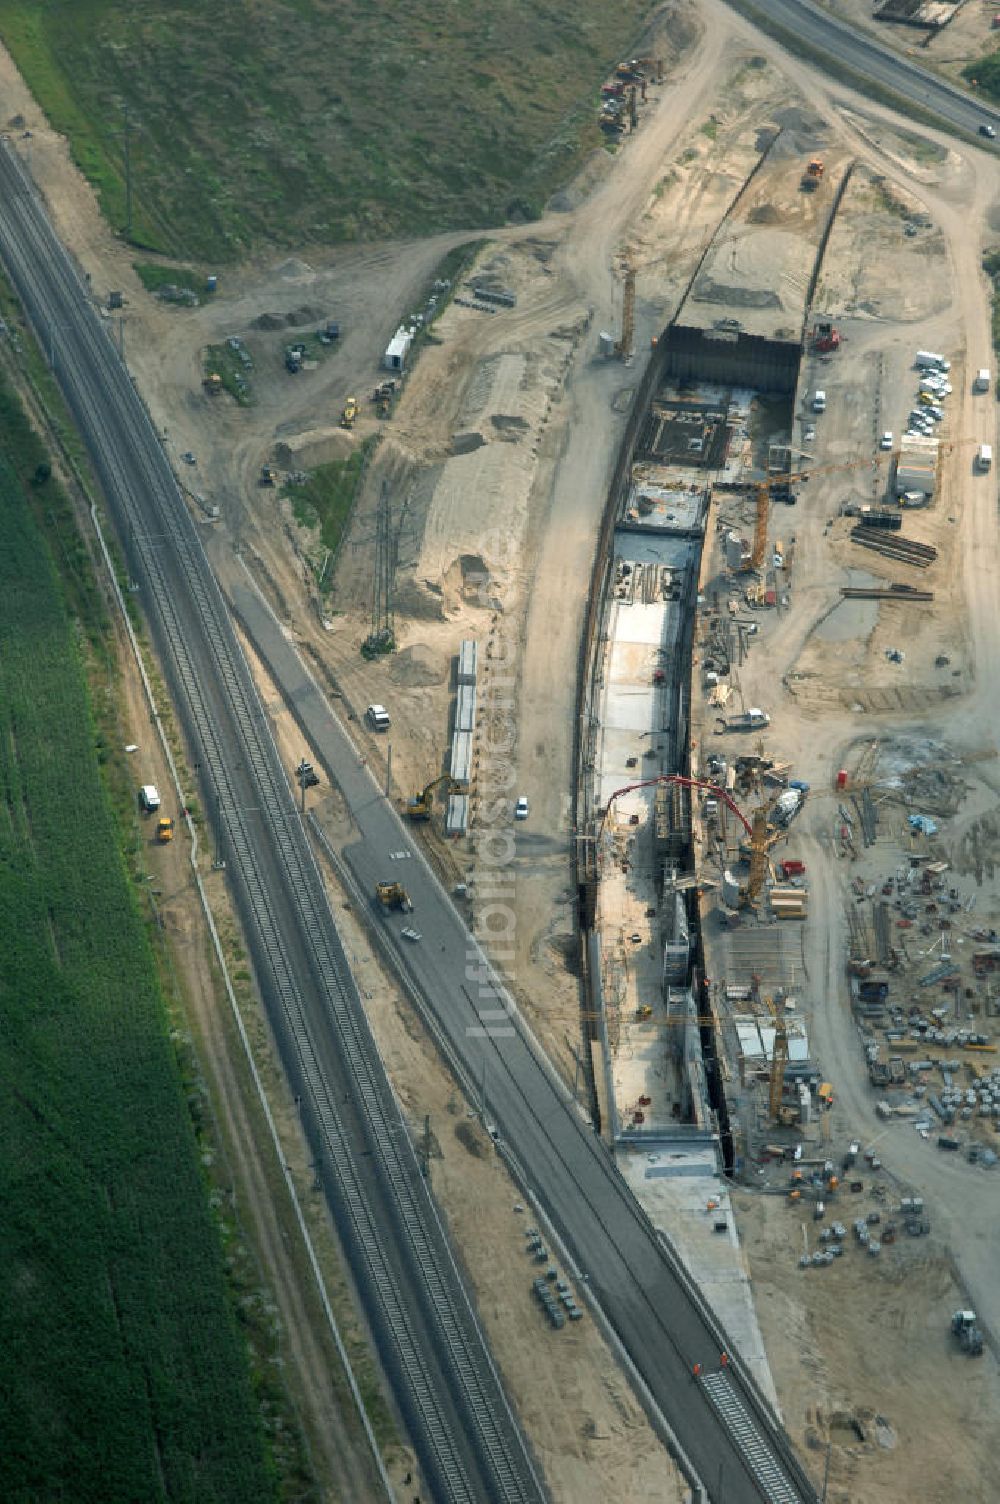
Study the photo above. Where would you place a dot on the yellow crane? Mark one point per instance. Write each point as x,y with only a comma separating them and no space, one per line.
762,838
764,488
779,1059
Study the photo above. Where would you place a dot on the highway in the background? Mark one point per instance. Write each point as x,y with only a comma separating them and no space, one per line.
873,62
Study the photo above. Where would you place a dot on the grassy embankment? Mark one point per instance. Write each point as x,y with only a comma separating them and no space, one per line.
123,1370
301,121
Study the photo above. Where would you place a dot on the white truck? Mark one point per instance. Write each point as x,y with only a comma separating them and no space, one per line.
149,798
378,718
983,380
984,458
929,360
750,720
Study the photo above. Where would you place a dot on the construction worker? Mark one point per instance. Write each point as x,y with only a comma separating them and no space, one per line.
696,1371
723,1360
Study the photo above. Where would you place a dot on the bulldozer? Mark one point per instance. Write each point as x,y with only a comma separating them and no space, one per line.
421,806
825,337
393,896
165,830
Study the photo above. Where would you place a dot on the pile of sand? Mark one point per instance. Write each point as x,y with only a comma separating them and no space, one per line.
417,666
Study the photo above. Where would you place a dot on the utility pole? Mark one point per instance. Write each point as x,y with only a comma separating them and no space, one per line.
388,769
220,862
127,142
381,638
826,1473
306,775
425,1148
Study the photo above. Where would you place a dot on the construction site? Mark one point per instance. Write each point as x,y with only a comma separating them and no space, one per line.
672,563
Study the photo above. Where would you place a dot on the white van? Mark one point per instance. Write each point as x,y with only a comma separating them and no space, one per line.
149,798
819,402
984,458
378,718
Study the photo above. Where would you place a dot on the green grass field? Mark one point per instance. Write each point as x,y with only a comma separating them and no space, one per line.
327,497
984,73
123,1372
290,121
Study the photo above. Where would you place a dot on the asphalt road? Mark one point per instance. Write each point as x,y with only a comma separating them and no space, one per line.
876,63
657,1315
429,1341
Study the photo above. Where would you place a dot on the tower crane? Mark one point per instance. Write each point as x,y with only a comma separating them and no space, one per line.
762,838
624,347
779,1059
764,488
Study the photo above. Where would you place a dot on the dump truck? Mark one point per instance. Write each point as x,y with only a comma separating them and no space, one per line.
393,896
812,175
165,830
970,1338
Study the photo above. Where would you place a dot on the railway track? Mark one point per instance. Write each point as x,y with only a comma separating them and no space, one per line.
428,1337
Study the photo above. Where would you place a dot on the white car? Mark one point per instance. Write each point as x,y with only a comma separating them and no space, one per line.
885,442
809,434
410,933
521,808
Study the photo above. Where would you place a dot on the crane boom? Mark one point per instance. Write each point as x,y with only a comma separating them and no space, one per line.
686,783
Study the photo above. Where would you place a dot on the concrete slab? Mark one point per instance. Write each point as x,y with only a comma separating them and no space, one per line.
679,1184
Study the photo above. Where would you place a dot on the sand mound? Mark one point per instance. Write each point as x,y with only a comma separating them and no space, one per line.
295,270
418,665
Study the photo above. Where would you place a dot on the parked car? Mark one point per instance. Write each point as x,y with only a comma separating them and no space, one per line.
521,808
988,132
885,442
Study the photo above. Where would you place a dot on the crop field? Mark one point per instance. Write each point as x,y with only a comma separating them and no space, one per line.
123,1373
296,121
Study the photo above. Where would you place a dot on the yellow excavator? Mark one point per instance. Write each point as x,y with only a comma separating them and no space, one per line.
165,830
421,806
